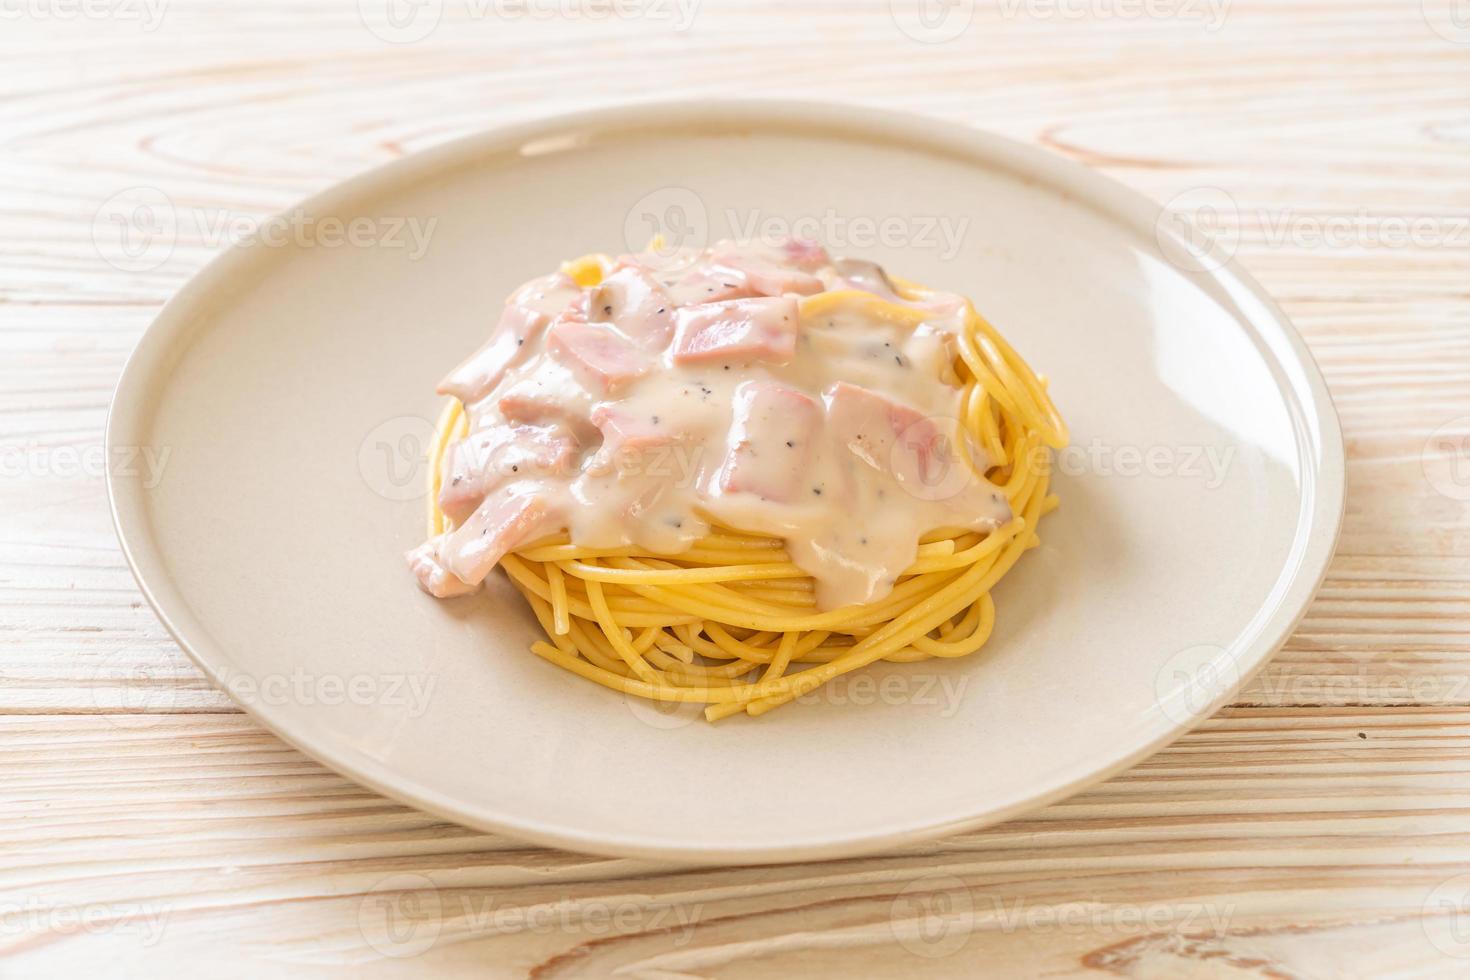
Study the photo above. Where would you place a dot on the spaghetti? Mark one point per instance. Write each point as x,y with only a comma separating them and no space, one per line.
732,623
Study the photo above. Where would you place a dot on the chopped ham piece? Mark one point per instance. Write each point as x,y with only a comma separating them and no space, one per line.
483,460
433,577
504,521
630,300
602,358
765,276
635,441
701,286
552,395
804,253
771,441
742,329
526,403
463,484
477,376
621,426
888,435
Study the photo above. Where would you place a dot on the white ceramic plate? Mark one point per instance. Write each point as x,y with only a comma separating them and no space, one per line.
292,384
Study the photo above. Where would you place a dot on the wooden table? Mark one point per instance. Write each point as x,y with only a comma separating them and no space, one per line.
1319,827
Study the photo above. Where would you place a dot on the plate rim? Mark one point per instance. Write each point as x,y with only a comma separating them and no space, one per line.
131,412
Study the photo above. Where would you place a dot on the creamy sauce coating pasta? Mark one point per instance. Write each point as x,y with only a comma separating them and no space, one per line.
640,401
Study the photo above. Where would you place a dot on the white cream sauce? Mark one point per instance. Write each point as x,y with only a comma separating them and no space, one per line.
687,389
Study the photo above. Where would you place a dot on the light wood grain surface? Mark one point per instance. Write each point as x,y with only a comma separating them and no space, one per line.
1319,827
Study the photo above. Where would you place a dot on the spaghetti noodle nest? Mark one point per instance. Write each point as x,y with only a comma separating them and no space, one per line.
733,624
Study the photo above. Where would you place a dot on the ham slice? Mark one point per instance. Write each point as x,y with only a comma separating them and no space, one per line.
432,576
601,358
772,440
487,458
738,330
635,441
553,395
769,272
805,253
887,434
633,302
475,378
703,286
504,521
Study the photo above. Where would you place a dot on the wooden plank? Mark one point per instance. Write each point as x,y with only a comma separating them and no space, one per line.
1297,834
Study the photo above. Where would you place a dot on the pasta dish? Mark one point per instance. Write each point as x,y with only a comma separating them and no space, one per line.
728,475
